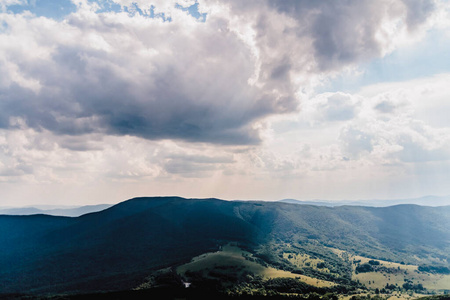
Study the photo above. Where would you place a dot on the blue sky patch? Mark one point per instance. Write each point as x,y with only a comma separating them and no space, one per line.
193,11
427,58
55,9
107,6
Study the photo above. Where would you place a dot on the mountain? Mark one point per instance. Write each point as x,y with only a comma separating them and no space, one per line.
424,201
54,211
118,247
314,202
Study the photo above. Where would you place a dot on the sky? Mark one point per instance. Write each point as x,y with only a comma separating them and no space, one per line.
102,101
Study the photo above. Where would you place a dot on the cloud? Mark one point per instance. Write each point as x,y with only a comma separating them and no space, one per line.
422,151
190,165
16,169
337,107
356,141
385,128
101,79
389,130
77,143
418,11
188,169
116,73
4,4
385,107
197,97
348,32
202,159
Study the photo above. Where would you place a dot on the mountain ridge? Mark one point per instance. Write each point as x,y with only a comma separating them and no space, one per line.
430,200
117,247
62,211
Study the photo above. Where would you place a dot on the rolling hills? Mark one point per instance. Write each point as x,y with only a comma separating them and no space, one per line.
117,248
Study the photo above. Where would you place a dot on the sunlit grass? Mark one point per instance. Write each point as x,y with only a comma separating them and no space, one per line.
400,274
233,259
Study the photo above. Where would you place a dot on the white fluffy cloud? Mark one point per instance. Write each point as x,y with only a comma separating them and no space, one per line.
385,124
124,73
151,93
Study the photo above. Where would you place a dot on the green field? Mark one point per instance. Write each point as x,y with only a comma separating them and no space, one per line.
239,271
233,260
302,260
394,273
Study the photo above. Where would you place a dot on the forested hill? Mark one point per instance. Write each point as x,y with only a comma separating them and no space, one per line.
116,248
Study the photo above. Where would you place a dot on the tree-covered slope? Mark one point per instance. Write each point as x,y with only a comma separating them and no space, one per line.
116,248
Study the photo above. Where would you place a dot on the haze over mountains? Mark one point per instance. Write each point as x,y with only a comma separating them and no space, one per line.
118,247
424,201
54,210
76,211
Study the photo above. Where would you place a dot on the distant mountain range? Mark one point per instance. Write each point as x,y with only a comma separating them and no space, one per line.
424,201
118,247
54,211
76,211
